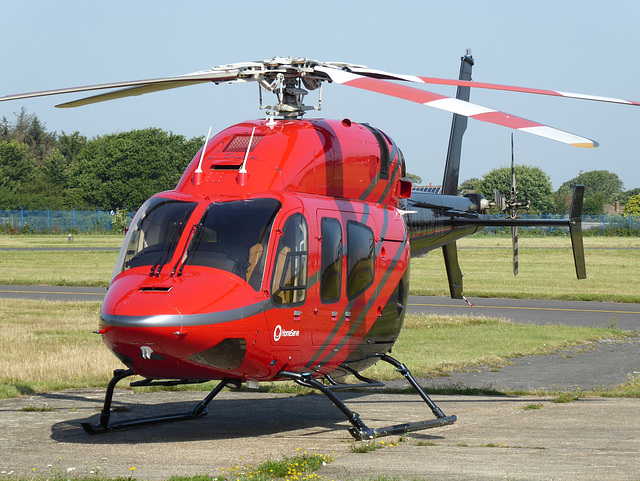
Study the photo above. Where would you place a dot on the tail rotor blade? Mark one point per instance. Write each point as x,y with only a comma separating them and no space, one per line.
500,200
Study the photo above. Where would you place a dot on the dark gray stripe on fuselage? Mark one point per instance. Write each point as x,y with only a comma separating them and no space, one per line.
391,181
363,313
374,182
177,320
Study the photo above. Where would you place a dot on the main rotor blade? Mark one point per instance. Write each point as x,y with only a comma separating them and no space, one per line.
379,74
133,87
455,106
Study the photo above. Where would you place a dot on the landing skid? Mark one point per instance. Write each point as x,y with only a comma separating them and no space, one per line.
104,425
359,429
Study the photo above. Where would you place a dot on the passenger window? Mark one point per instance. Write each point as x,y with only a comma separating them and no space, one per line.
331,260
360,258
289,284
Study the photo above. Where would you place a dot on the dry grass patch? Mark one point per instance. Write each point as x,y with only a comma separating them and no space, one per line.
50,345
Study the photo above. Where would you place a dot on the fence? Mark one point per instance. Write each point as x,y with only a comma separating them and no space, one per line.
593,223
54,221
97,221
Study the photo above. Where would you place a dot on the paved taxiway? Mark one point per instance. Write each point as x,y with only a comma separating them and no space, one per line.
497,437
571,313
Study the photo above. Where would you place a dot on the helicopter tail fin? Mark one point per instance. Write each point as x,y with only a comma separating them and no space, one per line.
458,127
451,172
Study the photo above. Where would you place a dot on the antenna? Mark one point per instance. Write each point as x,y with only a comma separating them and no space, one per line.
198,174
243,169
241,178
204,147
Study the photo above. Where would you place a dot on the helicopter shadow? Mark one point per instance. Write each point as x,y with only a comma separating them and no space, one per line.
227,418
244,416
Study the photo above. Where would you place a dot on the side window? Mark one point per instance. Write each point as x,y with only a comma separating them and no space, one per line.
360,258
331,260
289,285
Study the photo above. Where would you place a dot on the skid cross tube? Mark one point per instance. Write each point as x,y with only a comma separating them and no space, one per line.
359,429
104,426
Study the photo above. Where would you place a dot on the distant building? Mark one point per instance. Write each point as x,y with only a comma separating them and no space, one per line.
430,189
613,209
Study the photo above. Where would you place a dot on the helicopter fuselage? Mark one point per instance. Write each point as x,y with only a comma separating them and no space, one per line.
285,246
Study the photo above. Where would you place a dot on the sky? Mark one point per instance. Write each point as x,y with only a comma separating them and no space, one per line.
585,47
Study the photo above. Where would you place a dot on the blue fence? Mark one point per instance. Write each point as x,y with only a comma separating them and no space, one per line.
59,221
85,221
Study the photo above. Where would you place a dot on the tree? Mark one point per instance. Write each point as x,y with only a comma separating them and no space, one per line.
16,167
121,171
5,130
55,168
70,145
632,206
413,178
627,194
532,183
600,187
470,185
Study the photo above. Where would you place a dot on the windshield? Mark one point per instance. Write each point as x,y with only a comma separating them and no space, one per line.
154,234
234,236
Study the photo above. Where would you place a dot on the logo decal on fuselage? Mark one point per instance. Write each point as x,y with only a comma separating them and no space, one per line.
279,333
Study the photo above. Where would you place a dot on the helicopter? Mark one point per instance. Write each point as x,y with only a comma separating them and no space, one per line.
283,252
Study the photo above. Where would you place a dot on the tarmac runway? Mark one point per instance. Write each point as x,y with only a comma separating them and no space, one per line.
571,313
495,438
498,437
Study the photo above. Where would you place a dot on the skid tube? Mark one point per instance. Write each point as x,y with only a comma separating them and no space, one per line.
359,429
199,410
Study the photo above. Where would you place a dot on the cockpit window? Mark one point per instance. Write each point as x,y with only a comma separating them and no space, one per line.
154,234
234,236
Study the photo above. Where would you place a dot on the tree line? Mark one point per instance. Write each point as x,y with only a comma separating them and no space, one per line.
601,188
45,170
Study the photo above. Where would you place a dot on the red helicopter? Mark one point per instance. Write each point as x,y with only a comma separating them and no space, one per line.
283,252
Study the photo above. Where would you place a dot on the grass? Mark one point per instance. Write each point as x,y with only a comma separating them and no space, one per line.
46,346
433,344
373,445
301,467
61,240
57,268
546,267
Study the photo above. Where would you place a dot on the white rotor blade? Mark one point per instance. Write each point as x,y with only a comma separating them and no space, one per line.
379,74
455,106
